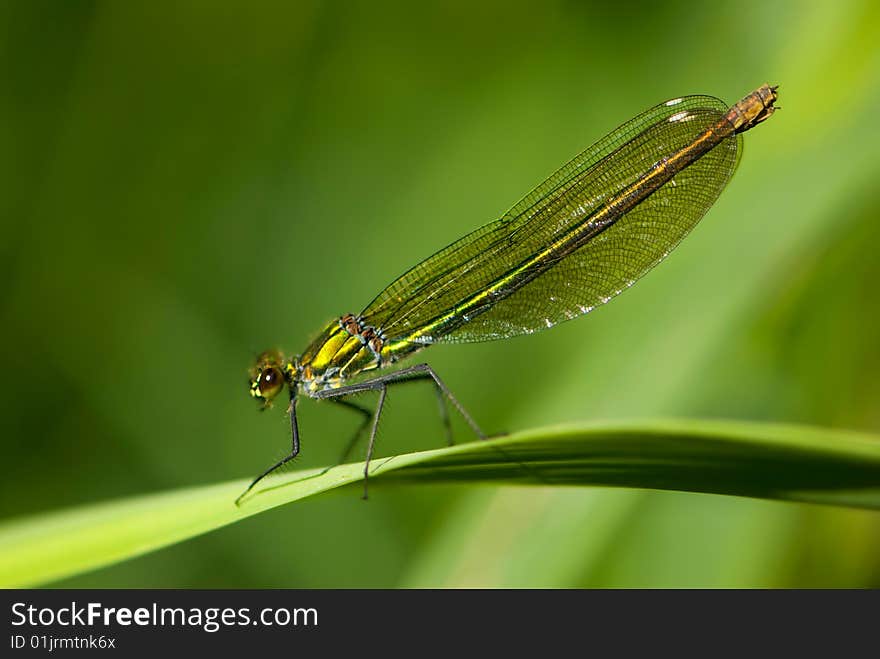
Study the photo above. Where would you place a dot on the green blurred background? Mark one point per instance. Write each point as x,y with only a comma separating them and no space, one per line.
188,183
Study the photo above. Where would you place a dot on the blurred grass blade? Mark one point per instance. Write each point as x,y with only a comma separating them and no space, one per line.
737,458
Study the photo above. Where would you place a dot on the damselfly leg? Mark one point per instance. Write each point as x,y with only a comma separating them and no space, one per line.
294,449
380,384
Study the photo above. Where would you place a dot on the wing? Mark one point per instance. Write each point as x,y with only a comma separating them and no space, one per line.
435,300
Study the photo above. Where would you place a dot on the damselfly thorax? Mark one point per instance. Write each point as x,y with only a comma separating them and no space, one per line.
346,348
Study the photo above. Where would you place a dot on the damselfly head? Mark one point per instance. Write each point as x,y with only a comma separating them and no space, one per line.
268,377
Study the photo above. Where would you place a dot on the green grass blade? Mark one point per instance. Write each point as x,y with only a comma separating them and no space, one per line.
736,458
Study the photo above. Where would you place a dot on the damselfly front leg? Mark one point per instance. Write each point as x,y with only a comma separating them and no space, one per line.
294,449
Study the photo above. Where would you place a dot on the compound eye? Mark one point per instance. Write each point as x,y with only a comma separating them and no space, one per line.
270,382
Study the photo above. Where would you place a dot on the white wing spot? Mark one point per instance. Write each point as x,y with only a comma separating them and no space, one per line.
674,101
684,115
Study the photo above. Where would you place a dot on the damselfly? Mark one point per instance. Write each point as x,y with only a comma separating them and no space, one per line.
581,237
